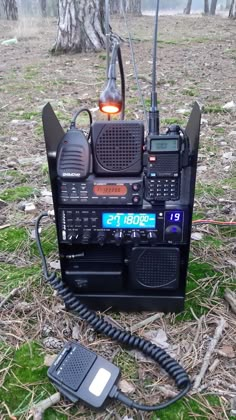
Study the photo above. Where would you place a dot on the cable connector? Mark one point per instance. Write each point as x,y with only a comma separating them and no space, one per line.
51,213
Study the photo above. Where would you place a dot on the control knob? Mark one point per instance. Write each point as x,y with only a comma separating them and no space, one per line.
152,237
135,236
101,238
173,233
118,238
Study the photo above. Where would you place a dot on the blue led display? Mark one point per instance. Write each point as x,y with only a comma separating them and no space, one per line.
174,216
129,220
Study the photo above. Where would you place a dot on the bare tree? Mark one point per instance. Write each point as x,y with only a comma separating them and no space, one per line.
134,7
10,9
80,26
43,7
206,7
115,6
232,10
213,7
187,9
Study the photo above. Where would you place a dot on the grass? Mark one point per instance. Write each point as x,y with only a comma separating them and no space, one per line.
27,381
209,189
127,364
189,408
12,175
191,92
213,109
17,193
12,239
12,276
170,121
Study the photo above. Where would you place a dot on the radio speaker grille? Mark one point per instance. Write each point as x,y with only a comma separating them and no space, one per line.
118,147
167,163
155,268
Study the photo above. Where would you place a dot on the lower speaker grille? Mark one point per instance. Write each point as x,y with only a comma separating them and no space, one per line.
155,267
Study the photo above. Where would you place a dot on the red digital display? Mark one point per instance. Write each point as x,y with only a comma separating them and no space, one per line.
110,190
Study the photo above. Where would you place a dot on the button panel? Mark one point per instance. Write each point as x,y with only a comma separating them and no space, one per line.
85,227
162,189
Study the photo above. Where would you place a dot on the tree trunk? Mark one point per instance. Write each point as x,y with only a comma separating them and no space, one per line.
232,10
115,7
81,26
10,9
213,7
187,9
228,3
206,7
43,7
134,7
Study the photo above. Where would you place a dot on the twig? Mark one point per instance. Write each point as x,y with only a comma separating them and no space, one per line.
4,226
38,409
12,293
230,297
146,321
206,361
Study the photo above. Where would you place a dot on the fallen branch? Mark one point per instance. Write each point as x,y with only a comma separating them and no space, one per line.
230,297
4,226
12,293
145,322
206,361
38,409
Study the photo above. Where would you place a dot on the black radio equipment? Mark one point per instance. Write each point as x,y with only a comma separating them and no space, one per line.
123,201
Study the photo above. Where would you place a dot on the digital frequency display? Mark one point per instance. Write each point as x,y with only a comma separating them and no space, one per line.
110,190
164,145
129,220
174,216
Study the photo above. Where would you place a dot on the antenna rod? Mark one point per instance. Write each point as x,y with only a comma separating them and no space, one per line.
154,112
107,34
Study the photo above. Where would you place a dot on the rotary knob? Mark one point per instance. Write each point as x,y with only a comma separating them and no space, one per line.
173,233
152,237
136,237
101,238
118,238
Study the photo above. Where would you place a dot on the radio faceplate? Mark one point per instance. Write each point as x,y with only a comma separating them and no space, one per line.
104,191
132,226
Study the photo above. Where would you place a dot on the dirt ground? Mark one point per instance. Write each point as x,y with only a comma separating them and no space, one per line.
196,61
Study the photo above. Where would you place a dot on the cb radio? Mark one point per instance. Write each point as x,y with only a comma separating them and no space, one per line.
123,200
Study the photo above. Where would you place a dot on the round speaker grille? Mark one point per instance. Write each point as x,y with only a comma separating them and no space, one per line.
118,147
157,268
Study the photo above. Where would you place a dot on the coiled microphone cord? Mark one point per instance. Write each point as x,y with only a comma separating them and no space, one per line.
171,366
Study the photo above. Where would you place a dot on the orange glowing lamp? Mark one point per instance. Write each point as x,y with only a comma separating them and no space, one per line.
110,101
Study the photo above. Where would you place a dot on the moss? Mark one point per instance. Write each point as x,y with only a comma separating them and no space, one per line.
12,238
17,193
127,364
12,276
189,408
27,383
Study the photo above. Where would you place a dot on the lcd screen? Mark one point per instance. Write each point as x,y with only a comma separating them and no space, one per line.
129,220
165,145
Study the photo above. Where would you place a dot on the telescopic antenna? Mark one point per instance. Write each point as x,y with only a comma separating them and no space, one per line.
153,111
107,12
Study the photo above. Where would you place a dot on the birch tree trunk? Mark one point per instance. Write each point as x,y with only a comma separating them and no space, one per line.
206,7
213,7
81,26
10,9
187,9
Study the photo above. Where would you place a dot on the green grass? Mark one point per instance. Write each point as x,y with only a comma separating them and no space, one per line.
16,176
13,238
201,279
213,109
27,382
170,121
219,130
189,408
48,239
17,193
12,276
208,189
191,92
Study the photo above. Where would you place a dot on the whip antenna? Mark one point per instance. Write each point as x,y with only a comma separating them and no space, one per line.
154,112
107,34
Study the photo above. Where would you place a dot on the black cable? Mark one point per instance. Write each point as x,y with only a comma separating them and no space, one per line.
171,366
73,121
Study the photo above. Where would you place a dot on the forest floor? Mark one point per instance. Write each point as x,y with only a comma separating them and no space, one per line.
196,61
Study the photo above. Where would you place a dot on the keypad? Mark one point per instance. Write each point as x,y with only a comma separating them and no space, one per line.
162,189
